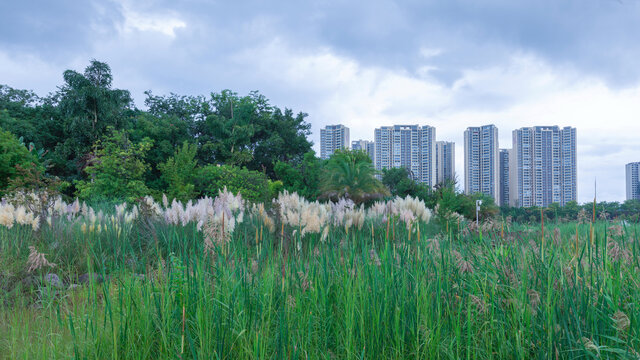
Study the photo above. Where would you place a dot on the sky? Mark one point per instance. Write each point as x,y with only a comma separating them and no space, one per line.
448,63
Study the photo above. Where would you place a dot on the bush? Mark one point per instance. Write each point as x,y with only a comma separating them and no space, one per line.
12,154
275,187
117,169
303,177
252,185
179,173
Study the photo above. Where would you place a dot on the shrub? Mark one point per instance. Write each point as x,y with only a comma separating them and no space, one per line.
12,154
116,171
179,173
302,177
252,185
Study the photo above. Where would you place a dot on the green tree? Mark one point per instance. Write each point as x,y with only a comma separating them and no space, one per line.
488,209
187,109
13,154
88,107
399,183
350,174
179,173
630,209
302,177
248,131
227,133
283,137
30,117
167,132
252,185
116,169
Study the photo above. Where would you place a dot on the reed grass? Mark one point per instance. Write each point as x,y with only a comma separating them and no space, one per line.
378,292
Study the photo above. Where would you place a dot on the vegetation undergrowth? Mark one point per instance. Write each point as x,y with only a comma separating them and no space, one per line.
344,283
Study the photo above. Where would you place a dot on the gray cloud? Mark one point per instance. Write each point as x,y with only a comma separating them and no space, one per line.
55,29
451,64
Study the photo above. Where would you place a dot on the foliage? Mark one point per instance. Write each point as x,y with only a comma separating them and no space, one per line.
450,202
245,131
12,154
116,170
30,117
88,106
283,138
350,174
275,187
572,211
252,185
301,177
399,183
168,133
188,110
179,173
248,131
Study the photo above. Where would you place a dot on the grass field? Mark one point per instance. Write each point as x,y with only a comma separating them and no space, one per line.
135,286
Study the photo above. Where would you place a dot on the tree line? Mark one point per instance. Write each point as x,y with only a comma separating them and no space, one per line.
88,139
94,139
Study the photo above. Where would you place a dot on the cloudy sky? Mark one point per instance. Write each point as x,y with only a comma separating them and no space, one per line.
448,63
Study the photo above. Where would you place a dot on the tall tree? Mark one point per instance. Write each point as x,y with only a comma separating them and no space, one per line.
188,110
249,131
88,106
284,138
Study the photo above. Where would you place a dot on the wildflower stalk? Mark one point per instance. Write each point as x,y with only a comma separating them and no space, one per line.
224,242
388,223
393,231
284,261
372,245
282,237
184,318
576,240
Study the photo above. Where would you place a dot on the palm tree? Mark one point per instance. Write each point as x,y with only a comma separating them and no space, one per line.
350,174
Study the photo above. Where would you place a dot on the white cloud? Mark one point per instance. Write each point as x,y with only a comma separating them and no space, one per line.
165,23
430,52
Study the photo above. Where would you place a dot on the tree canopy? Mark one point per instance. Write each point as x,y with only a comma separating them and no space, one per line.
72,124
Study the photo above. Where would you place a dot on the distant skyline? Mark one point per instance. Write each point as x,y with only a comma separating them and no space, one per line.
365,64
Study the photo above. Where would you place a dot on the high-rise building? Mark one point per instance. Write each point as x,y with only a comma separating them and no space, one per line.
364,145
633,181
445,161
481,161
545,165
410,146
569,177
506,160
332,138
